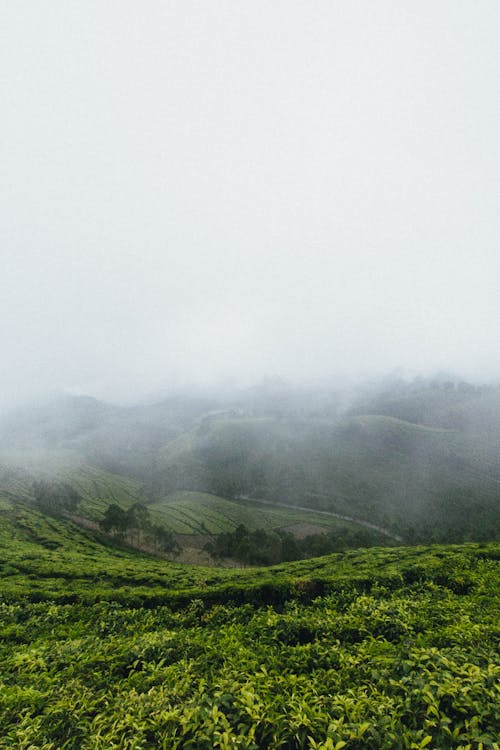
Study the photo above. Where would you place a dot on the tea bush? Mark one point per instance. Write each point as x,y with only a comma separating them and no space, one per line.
372,650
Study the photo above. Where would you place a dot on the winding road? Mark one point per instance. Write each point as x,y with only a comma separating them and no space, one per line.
360,522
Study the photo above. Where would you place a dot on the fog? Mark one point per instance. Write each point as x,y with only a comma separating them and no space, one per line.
196,193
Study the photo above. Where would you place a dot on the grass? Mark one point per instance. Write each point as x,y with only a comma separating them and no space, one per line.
378,649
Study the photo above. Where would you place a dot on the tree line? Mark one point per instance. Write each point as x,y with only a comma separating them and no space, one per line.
261,547
134,526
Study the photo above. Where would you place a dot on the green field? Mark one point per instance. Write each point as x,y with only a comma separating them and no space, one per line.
187,512
420,481
367,650
96,487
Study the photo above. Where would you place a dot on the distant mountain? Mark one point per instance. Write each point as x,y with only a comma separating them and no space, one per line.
420,459
460,406
419,481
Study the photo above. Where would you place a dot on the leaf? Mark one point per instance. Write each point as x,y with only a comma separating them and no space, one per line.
363,727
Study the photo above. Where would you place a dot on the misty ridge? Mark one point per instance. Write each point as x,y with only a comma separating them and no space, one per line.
382,462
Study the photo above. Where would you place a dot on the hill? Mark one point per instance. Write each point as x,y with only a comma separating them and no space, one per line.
460,406
377,649
94,487
418,461
420,482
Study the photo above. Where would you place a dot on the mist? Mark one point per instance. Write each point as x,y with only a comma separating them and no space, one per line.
214,193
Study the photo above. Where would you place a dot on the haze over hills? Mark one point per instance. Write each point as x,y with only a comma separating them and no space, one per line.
410,461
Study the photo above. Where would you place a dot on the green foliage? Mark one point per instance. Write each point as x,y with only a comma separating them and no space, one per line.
202,513
103,646
376,649
420,460
135,526
115,519
55,498
260,547
409,667
427,483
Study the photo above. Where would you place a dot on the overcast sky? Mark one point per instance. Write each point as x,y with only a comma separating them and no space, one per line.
203,191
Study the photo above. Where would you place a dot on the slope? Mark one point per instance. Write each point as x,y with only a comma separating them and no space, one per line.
422,482
95,487
376,649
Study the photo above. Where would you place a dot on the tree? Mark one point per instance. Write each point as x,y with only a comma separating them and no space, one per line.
115,520
55,498
136,528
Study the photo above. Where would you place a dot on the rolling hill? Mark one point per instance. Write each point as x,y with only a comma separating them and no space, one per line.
421,482
420,461
105,646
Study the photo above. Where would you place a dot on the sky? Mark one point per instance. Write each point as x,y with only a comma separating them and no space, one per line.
215,192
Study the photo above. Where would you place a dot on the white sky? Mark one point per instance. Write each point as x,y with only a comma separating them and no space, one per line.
193,191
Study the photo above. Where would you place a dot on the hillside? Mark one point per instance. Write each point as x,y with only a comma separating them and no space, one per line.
104,646
418,461
376,649
95,487
421,482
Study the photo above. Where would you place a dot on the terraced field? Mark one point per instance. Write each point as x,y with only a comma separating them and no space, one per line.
194,517
96,488
187,512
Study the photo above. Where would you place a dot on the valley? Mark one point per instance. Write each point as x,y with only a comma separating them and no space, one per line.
182,576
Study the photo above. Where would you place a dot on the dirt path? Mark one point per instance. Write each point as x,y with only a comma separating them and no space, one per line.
366,524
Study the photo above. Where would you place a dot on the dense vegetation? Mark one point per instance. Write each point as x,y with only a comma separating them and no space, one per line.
386,648
362,650
261,547
55,498
135,526
420,482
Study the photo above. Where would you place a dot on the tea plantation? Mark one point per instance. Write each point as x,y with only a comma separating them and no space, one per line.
105,648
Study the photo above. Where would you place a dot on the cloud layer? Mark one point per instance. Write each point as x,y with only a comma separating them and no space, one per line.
196,192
